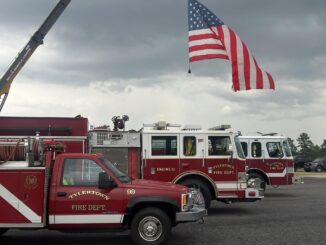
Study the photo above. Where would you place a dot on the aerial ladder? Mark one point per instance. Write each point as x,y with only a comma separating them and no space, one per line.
28,50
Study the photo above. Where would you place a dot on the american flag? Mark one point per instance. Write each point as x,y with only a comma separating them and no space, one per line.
210,38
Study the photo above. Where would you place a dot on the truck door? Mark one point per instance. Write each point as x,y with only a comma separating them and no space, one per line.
192,152
161,157
289,161
256,158
275,163
77,200
219,165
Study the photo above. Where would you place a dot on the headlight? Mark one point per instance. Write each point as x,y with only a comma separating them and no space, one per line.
251,183
185,202
193,198
254,183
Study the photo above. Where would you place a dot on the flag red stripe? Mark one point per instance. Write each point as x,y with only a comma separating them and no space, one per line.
246,66
208,56
271,81
201,36
259,76
205,46
234,61
220,33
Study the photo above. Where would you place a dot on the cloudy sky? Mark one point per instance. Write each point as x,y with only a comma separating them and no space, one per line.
113,57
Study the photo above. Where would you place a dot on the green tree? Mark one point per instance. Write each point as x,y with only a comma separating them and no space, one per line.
323,148
294,148
305,144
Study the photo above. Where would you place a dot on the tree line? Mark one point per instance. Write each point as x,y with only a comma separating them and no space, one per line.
306,147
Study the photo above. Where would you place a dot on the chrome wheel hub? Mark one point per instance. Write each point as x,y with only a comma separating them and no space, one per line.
150,228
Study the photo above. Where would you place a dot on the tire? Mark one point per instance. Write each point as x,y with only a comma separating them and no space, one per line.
2,231
307,170
158,226
259,176
319,169
198,184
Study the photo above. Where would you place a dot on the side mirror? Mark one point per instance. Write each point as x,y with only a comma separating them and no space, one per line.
230,153
105,181
230,148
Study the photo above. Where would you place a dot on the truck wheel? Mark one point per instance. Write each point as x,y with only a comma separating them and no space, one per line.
257,175
318,169
194,183
150,226
2,231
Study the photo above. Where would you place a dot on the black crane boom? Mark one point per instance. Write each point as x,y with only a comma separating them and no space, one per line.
28,50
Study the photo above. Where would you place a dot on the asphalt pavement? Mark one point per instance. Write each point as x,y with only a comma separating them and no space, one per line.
293,214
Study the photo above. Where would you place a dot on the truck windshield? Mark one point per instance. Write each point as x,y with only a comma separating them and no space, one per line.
116,172
287,148
239,147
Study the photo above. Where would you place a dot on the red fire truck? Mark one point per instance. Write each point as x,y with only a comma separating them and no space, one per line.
269,158
211,160
57,190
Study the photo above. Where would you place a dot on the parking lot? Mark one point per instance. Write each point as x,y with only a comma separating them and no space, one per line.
288,215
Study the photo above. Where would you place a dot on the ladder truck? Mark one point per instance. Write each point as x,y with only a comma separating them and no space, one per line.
23,56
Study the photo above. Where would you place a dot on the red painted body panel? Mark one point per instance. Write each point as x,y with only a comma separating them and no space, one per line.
165,169
46,126
214,169
79,202
277,169
133,163
63,205
271,167
27,186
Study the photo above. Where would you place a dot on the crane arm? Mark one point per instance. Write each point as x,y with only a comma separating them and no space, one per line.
28,50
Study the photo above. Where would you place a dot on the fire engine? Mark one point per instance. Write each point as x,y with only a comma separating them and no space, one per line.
269,158
210,160
50,188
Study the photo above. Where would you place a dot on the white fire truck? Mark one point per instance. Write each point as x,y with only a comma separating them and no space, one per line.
269,158
211,160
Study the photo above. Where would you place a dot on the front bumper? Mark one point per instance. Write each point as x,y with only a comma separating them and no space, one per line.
254,193
195,214
297,180
255,189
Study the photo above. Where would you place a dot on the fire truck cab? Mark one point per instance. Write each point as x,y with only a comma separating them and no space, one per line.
269,158
211,160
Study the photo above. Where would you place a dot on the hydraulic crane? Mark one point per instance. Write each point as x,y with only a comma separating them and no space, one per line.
28,50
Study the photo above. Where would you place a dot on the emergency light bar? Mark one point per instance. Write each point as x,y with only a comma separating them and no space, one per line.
191,127
161,125
221,127
269,134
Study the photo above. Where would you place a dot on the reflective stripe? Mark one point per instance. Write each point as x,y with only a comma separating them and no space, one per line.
290,170
19,205
86,219
230,185
277,174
